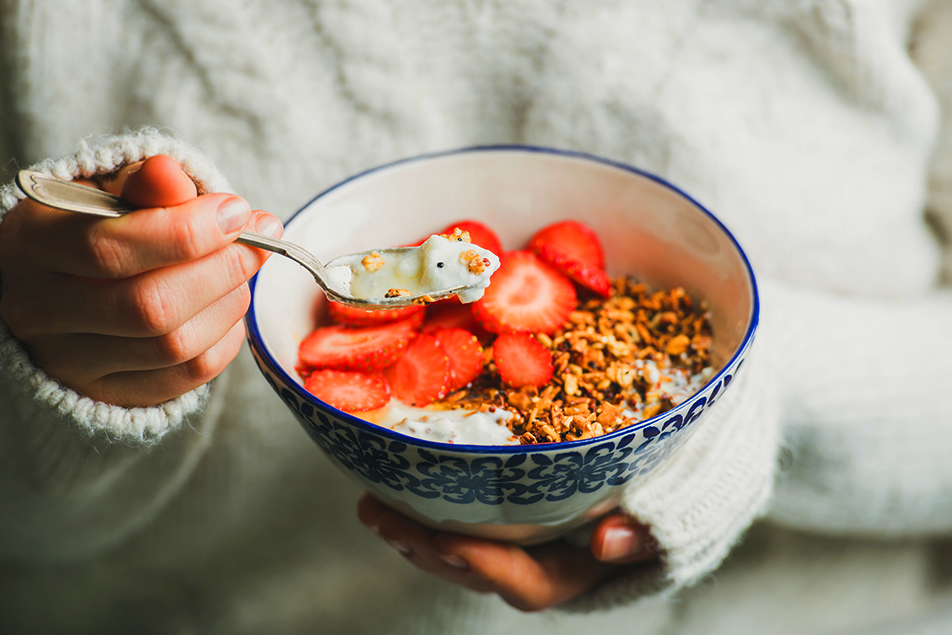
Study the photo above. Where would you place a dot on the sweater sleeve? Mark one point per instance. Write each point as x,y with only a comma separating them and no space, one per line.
701,502
71,468
867,412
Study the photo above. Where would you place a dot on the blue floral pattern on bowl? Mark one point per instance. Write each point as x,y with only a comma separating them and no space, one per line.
418,471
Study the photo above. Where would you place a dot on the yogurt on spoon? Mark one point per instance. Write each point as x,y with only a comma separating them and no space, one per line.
442,262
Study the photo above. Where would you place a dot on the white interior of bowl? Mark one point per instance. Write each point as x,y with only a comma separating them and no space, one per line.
648,229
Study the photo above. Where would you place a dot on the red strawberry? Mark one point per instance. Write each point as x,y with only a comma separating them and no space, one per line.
422,374
453,314
352,316
348,390
348,348
521,360
578,240
525,295
465,353
479,234
586,274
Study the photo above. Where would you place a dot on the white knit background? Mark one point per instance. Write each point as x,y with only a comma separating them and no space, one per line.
804,125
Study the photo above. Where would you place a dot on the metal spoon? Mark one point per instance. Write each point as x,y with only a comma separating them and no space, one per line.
73,197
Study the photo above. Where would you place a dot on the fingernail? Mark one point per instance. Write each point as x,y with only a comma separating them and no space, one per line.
454,561
620,542
400,546
269,226
233,213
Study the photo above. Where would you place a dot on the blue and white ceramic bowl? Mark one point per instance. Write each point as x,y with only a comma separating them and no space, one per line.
530,493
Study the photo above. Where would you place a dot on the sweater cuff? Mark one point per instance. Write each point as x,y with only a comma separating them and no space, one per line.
701,502
137,425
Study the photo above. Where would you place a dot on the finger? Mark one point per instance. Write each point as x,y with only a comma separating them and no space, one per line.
112,248
158,181
151,304
415,543
619,539
114,181
140,389
81,358
528,579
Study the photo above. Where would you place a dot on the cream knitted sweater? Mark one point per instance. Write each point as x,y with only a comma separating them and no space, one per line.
806,126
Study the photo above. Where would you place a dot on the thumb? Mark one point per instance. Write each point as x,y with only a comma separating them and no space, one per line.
620,539
159,182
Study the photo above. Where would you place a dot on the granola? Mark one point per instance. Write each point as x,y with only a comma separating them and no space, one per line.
612,359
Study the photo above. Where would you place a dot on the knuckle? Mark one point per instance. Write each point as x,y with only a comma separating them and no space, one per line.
243,298
21,315
189,243
151,307
110,255
202,368
13,313
526,604
242,263
178,346
205,367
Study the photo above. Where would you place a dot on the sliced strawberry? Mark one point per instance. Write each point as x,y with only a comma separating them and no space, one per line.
586,274
521,360
348,390
465,353
479,234
453,314
575,238
352,316
525,295
422,374
368,349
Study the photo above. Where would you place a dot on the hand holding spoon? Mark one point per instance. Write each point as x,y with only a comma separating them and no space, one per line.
335,280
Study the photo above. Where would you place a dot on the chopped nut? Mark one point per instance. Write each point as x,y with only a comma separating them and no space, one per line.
459,235
474,262
677,345
396,293
520,400
373,261
571,384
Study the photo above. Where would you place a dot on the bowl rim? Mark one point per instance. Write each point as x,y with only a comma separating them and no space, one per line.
254,334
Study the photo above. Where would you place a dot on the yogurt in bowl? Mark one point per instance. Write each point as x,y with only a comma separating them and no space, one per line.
526,493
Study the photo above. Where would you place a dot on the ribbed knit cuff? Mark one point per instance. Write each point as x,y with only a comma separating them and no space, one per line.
700,503
139,425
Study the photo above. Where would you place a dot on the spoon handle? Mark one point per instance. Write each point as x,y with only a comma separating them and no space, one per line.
69,196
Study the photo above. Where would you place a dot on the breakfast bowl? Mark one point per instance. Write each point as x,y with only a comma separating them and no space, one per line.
525,493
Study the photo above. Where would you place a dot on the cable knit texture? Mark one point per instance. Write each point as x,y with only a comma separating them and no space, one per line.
817,130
